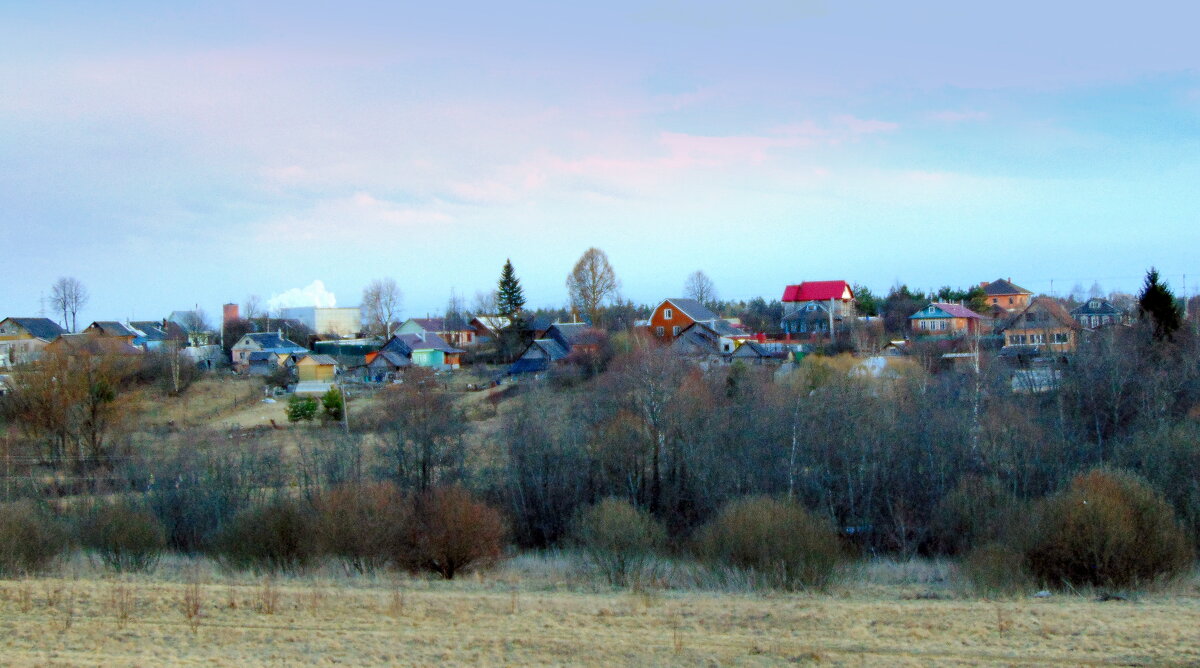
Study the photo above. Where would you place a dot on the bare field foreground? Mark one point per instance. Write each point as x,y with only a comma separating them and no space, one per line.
187,615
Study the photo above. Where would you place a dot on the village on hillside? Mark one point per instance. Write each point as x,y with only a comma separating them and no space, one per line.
308,350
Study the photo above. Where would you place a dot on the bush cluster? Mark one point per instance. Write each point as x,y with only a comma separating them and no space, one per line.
444,531
30,539
1107,528
126,537
618,539
783,545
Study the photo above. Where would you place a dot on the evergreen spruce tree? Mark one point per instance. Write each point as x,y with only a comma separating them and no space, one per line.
511,297
1157,305
510,303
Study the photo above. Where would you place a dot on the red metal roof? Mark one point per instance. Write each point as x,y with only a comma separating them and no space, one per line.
816,291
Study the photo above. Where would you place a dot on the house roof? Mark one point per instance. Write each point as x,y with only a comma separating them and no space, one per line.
817,291
405,344
493,323
150,330
726,328
947,310
316,358
42,328
1030,316
1097,306
553,349
112,328
82,342
692,309
430,324
272,341
1001,287
752,349
698,339
261,356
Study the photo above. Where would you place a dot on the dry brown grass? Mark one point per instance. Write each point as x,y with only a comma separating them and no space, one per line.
497,621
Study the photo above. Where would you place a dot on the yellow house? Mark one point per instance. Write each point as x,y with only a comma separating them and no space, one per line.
319,368
22,339
1044,323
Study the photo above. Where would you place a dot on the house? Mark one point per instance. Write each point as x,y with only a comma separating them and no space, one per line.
113,330
712,341
1096,313
540,354
22,339
463,335
673,316
487,328
559,340
423,350
944,319
814,318
263,362
385,365
1005,296
91,343
193,326
314,367
262,341
1043,323
753,352
837,295
154,335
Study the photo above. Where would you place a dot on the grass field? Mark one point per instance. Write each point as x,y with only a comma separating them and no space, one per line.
521,615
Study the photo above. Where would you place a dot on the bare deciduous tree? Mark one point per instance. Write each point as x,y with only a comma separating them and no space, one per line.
68,296
381,305
253,308
591,282
700,287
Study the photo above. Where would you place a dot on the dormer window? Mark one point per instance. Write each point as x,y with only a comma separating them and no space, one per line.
668,314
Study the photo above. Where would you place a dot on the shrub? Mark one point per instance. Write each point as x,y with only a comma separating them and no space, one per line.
301,408
975,512
30,539
364,524
1108,528
333,405
617,538
452,532
126,537
996,567
276,537
780,542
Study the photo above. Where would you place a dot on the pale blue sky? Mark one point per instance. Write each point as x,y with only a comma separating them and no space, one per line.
207,151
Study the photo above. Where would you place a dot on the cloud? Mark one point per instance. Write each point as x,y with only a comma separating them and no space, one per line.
959,116
314,294
357,217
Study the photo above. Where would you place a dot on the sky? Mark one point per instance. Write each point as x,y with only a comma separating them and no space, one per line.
195,153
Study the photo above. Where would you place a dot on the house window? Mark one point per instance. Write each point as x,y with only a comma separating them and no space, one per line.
1016,339
675,330
659,331
995,300
1010,300
1037,338
726,347
1061,337
668,314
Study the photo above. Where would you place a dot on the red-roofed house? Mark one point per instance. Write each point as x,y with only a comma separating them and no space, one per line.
943,319
816,307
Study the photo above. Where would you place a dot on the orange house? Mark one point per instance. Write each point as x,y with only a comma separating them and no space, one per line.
1004,295
1044,323
674,315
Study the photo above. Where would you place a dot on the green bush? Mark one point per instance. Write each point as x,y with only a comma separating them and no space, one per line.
365,524
301,408
276,537
617,539
126,537
1109,528
778,541
333,405
30,539
975,512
